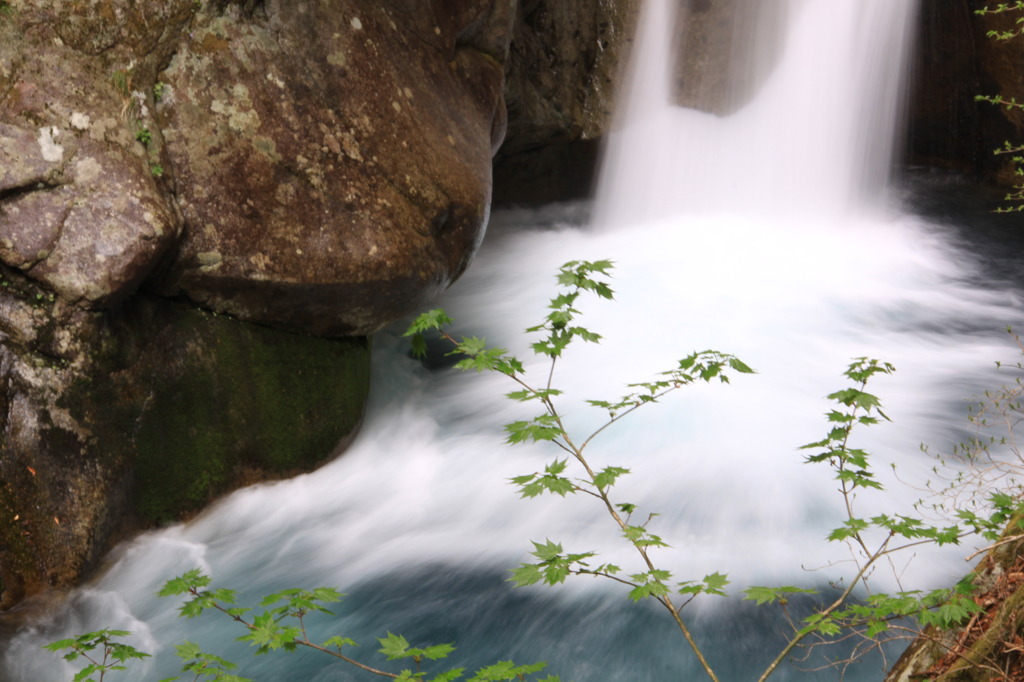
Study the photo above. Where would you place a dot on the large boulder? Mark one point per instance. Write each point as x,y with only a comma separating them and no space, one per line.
724,50
204,208
331,159
320,165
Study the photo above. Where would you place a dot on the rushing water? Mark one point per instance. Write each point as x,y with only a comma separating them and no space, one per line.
417,521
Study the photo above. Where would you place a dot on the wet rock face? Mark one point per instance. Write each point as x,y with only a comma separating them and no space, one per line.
332,159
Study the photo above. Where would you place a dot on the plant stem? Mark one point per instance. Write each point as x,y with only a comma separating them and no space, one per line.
665,600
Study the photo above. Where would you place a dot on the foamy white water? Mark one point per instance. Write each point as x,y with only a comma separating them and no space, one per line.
795,293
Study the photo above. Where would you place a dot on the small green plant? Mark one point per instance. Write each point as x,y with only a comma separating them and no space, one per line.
987,468
122,80
158,91
144,136
101,650
131,105
1015,197
156,170
1003,8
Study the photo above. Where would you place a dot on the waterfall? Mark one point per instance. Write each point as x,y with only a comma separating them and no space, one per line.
723,245
816,133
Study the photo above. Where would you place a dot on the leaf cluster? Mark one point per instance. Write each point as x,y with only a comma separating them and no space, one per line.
551,481
1003,8
555,565
943,609
100,649
473,350
577,277
706,366
206,666
855,406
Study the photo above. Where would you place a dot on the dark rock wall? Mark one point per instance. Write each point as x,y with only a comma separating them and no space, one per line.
955,60
561,79
999,72
944,119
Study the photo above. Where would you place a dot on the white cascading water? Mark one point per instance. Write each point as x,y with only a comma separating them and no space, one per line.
815,140
750,234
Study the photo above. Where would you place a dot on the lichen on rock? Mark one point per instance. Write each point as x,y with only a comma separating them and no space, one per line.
335,155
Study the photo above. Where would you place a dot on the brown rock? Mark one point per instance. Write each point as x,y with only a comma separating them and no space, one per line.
80,212
332,159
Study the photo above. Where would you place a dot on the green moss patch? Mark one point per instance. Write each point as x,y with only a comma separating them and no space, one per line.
201,403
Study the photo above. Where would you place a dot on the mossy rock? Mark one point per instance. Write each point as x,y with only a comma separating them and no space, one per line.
202,403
